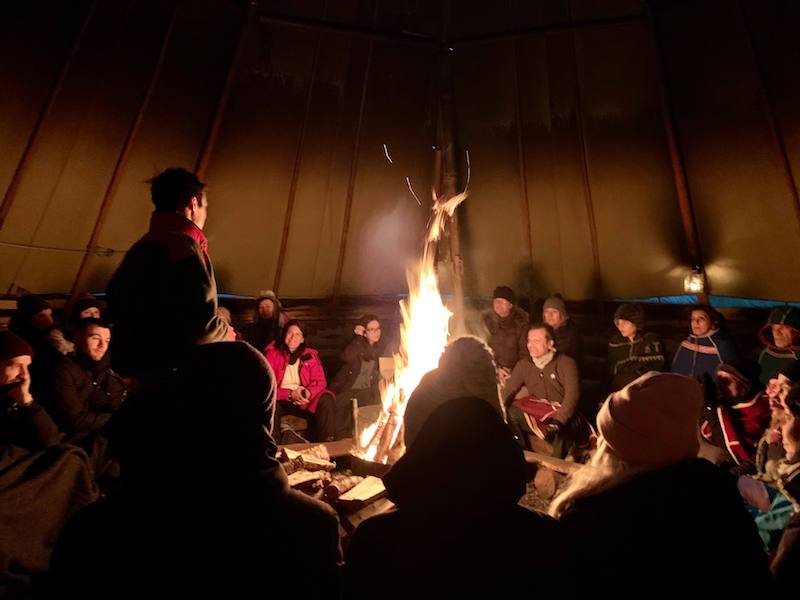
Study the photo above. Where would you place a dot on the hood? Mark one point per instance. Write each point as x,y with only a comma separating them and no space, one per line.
464,463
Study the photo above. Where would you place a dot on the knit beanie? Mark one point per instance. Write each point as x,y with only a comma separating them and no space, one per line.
81,304
30,304
12,346
653,420
505,292
557,302
632,312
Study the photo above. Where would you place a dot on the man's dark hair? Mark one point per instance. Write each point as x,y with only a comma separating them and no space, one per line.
174,188
86,322
551,333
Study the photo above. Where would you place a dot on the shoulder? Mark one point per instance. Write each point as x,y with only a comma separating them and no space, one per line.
310,354
521,317
563,361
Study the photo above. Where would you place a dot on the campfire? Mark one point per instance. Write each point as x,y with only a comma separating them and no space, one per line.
423,337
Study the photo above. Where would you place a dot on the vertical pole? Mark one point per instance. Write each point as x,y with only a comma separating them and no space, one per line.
33,139
776,134
597,287
298,158
351,183
523,168
111,189
676,161
210,140
450,175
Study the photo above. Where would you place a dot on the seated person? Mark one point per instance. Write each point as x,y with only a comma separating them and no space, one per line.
205,509
706,348
567,337
301,382
87,391
466,369
550,410
42,482
785,564
633,351
359,375
781,339
33,322
86,306
507,326
736,419
645,498
457,527
270,321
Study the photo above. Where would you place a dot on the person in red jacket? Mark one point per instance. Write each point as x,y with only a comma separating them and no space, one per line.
301,381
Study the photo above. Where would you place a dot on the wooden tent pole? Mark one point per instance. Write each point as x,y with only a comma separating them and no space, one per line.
778,140
523,167
688,221
298,159
91,246
210,140
450,175
351,182
33,140
597,283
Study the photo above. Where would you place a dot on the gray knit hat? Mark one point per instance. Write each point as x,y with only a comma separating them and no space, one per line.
557,302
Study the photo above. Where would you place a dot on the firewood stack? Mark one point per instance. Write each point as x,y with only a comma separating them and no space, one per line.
310,470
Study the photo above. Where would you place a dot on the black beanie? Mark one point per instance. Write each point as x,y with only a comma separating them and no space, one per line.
505,292
632,312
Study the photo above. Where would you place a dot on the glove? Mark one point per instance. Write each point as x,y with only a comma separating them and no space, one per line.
551,429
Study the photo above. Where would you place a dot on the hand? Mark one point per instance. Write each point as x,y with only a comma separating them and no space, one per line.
359,330
503,374
21,394
551,429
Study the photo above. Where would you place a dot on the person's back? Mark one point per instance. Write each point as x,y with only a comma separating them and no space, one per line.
166,276
646,510
204,506
457,528
672,530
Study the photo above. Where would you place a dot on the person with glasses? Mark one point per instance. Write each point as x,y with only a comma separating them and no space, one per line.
359,376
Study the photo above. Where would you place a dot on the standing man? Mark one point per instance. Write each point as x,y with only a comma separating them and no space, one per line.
166,275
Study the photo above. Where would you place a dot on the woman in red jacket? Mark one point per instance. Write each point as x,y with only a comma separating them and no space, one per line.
299,378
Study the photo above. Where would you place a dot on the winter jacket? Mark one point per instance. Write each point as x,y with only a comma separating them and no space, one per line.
663,532
772,358
86,394
569,341
312,376
165,277
28,427
358,350
699,356
457,529
628,360
557,382
738,428
785,564
508,336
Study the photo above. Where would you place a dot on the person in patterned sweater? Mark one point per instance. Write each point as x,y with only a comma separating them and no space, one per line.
632,352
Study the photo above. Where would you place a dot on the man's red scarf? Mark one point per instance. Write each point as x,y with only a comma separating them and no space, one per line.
167,221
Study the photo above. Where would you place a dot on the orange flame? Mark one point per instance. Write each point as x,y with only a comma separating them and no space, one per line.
423,337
